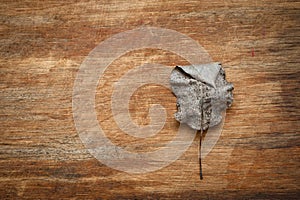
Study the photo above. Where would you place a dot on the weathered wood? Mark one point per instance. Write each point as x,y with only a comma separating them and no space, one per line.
43,44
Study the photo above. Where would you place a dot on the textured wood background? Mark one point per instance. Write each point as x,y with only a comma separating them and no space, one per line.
43,44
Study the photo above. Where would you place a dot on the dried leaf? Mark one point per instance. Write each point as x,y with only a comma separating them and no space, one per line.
202,94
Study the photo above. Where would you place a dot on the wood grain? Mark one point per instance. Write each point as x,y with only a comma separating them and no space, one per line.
43,44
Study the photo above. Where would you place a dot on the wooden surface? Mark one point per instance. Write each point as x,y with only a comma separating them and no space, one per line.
43,44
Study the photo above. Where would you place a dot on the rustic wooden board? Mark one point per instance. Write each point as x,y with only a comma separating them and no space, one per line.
43,44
